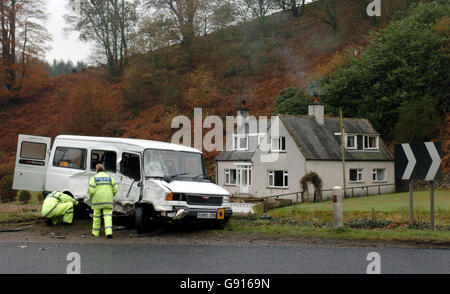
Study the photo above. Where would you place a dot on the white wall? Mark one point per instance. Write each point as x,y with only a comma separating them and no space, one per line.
331,174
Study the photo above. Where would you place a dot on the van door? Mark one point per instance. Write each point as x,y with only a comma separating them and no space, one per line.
32,159
129,179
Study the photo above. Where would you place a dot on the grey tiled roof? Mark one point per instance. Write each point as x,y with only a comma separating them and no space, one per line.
319,142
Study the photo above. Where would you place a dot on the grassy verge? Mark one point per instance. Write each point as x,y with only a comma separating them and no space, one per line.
378,218
267,227
18,217
388,207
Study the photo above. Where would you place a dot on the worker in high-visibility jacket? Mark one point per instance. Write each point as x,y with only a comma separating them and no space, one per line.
102,189
57,206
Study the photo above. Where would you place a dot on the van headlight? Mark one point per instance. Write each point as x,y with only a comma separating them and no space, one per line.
226,199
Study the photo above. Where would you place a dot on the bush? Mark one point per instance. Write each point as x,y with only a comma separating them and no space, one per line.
6,192
24,197
292,101
369,224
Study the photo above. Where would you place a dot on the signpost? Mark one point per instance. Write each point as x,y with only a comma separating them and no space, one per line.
419,161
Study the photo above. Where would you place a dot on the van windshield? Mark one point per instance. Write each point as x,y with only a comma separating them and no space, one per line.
173,164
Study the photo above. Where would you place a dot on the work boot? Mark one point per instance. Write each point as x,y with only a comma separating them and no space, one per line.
48,222
109,236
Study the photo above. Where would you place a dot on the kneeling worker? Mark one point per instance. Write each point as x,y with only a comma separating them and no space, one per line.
102,189
57,206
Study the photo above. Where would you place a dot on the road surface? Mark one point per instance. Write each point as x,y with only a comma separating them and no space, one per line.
98,258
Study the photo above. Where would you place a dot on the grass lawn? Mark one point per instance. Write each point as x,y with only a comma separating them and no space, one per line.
381,218
393,207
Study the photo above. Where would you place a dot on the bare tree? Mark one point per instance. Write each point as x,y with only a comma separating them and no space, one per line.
186,15
326,11
22,38
109,23
293,6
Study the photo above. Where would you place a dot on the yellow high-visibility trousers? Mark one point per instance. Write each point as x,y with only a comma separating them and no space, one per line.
97,221
60,211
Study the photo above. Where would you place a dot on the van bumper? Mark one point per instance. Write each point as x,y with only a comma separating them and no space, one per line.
192,215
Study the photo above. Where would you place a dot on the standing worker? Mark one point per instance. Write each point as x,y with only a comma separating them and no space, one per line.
102,189
57,206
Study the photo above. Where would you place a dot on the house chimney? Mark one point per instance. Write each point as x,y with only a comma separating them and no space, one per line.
317,110
242,113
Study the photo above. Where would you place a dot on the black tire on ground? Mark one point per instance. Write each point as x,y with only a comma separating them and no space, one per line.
139,219
143,219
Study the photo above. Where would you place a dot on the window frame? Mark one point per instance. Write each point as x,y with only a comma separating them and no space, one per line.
375,174
228,173
367,140
271,173
355,144
34,143
140,157
68,167
237,142
359,172
93,150
239,171
279,144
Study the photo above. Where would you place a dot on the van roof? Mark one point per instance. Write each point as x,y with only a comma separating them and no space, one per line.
144,144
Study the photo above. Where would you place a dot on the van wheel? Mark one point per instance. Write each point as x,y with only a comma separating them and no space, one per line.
143,218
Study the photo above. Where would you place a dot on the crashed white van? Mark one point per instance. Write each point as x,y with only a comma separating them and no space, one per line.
156,179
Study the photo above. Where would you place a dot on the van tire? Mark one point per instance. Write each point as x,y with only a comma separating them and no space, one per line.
143,218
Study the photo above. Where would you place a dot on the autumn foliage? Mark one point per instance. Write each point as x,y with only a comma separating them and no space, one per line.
159,85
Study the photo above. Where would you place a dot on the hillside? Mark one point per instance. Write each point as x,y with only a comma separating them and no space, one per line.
88,103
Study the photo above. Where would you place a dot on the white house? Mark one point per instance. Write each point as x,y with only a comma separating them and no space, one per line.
304,144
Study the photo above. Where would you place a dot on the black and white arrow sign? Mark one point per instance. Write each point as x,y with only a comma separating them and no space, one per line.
418,161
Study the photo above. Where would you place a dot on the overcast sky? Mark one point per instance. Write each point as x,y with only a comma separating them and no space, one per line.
63,47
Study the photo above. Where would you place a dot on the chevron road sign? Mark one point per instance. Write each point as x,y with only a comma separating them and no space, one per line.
418,161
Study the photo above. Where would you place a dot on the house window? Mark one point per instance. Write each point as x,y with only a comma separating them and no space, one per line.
70,158
240,142
356,175
351,142
244,175
379,174
279,144
278,179
230,177
371,142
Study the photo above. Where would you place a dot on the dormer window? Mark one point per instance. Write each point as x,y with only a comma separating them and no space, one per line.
240,142
371,142
279,144
351,142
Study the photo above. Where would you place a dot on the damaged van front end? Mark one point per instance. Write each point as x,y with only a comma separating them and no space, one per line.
176,188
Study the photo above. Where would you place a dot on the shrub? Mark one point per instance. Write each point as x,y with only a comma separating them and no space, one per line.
24,197
6,192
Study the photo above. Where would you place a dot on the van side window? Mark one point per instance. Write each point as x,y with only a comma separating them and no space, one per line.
130,166
107,158
70,158
33,150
